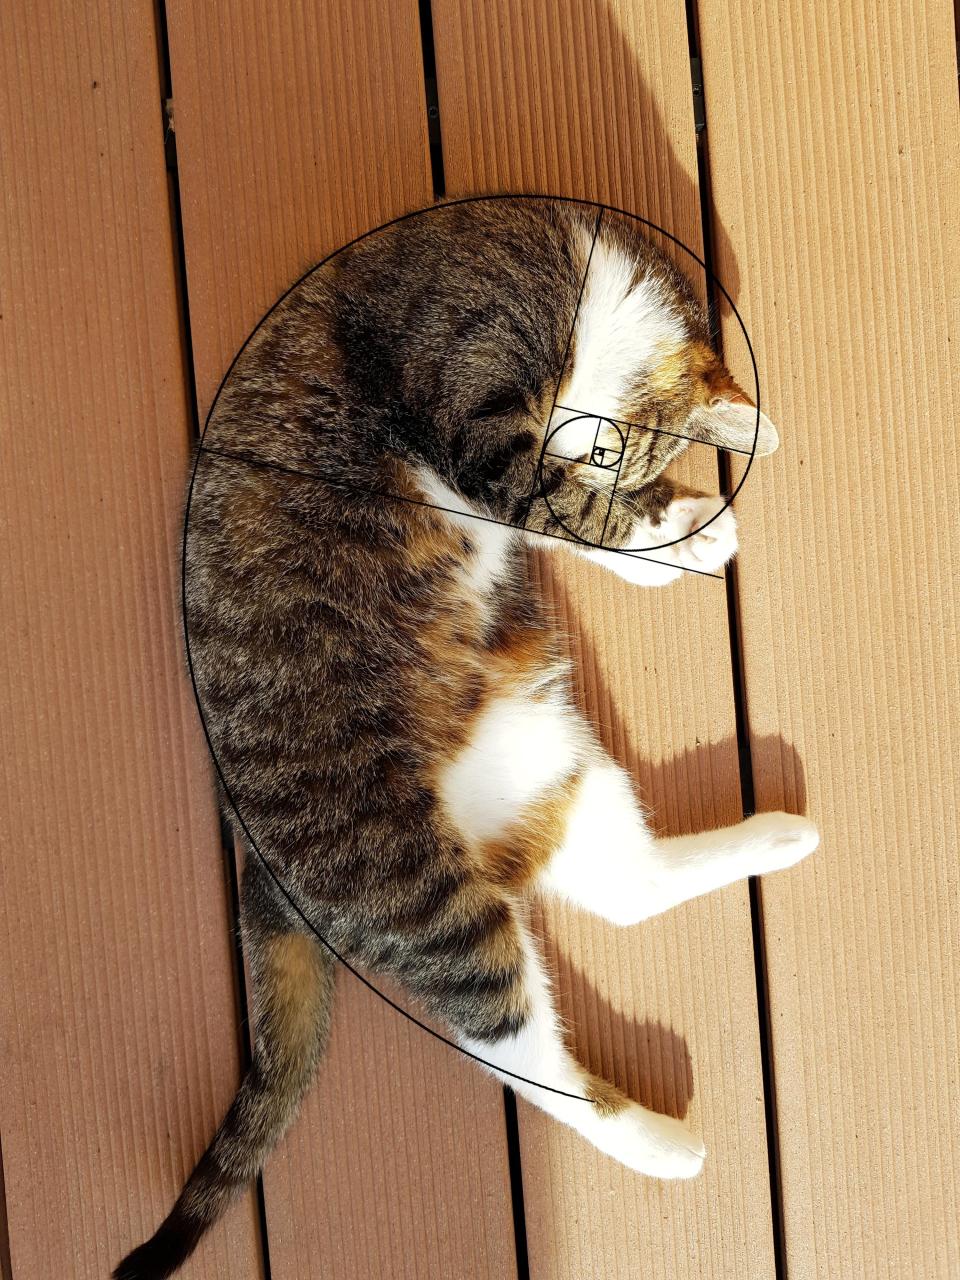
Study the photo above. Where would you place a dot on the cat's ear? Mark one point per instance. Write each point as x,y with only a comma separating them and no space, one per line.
730,421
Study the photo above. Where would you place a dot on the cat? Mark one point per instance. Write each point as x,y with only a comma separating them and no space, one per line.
386,700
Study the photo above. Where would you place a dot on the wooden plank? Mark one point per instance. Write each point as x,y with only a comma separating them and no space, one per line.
295,134
595,102
834,154
117,996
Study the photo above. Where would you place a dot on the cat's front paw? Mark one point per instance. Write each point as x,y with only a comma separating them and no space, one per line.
658,554
707,529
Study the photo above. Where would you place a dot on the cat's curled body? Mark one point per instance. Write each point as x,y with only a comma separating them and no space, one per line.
387,703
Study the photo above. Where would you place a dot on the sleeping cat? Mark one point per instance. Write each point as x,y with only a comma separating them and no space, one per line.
387,704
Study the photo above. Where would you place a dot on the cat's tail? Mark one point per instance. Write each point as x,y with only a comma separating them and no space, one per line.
293,994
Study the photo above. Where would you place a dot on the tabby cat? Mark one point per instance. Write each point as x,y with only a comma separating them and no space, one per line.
389,709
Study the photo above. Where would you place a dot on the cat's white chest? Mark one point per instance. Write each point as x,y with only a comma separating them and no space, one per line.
485,565
624,325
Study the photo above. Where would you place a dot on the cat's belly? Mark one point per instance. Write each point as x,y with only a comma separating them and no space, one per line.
520,747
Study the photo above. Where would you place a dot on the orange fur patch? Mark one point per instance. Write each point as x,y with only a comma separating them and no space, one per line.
451,639
295,981
688,367
523,652
669,374
606,1097
513,858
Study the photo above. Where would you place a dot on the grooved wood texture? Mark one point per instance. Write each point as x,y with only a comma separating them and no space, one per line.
834,150
297,129
118,1011
295,133
595,101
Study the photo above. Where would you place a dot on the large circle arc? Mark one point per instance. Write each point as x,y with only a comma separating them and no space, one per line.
199,451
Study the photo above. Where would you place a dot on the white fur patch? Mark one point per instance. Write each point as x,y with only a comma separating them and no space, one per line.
603,863
622,328
520,747
493,542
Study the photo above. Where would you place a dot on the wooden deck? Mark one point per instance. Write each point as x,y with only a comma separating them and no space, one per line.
808,1027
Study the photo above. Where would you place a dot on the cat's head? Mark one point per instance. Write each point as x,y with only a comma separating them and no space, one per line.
530,333
640,362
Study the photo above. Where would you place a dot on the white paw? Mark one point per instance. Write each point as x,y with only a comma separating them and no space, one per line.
650,1143
705,551
779,840
709,549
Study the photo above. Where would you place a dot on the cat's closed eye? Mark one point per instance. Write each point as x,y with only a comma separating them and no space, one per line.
499,403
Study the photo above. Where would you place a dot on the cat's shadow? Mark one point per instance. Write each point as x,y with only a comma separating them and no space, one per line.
651,168
648,1060
668,178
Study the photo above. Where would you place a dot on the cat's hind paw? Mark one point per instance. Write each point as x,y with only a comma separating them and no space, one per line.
654,1144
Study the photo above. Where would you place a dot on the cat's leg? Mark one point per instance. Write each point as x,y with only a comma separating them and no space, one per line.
530,1053
607,860
646,561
